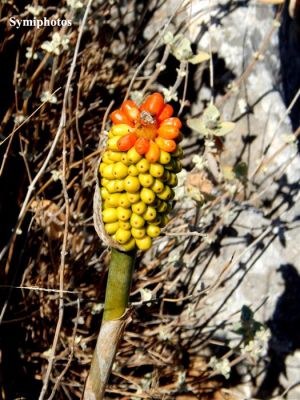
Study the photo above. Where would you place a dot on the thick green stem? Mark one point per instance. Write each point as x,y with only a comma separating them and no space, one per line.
113,324
118,284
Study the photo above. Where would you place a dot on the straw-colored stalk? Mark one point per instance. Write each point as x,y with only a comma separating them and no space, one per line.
113,324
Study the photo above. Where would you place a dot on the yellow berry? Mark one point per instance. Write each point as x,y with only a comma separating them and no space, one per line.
104,193
133,197
108,171
101,168
156,170
125,225
133,171
123,235
164,157
113,199
112,143
144,243
123,214
137,221
120,129
153,230
110,186
105,204
110,215
157,186
146,180
114,156
147,196
124,159
120,170
139,208
106,159
138,233
143,165
150,214
119,185
132,184
162,207
133,156
104,181
130,245
123,201
111,227
166,194
172,181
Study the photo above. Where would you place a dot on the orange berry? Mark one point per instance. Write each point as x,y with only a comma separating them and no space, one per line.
173,122
119,117
142,145
165,144
153,153
126,142
154,104
168,132
131,110
165,113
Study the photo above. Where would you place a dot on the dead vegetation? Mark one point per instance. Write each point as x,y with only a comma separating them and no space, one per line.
53,266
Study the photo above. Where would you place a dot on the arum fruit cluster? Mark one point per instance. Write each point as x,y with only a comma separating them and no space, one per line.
138,171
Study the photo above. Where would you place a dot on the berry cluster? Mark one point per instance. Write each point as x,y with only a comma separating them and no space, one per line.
138,171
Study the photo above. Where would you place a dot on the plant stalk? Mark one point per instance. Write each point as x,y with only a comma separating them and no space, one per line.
113,323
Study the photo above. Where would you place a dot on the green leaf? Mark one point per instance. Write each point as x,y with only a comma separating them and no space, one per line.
241,170
182,49
224,128
211,114
198,125
199,58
